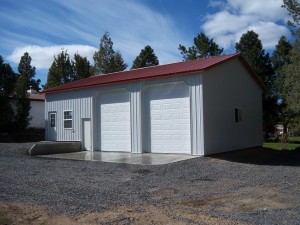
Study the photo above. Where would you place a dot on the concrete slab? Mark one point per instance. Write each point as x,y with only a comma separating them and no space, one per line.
54,147
123,157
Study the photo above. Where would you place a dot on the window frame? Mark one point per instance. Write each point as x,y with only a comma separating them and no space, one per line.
50,119
238,115
64,119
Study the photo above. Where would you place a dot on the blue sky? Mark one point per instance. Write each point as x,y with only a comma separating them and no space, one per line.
44,28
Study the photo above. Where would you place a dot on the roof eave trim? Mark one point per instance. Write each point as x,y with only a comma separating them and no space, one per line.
147,78
124,81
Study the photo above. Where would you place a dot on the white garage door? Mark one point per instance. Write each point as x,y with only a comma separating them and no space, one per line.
167,119
115,122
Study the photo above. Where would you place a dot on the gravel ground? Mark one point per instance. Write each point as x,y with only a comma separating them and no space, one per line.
254,186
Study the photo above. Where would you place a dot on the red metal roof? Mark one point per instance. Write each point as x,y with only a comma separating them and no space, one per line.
193,66
37,97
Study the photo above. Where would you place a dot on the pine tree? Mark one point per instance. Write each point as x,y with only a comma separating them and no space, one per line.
146,58
81,67
293,7
203,47
280,58
60,72
291,87
26,75
118,62
291,81
250,47
106,59
7,85
281,54
27,70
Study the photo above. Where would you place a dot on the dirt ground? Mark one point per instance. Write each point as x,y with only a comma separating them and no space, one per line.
254,187
21,214
187,212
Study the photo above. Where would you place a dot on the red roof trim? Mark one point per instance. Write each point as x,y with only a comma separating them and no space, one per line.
154,72
36,97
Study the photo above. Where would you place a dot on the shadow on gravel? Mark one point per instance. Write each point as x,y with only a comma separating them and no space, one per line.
29,135
261,156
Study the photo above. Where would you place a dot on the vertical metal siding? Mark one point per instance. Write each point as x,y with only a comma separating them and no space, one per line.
196,116
84,103
225,88
136,121
81,105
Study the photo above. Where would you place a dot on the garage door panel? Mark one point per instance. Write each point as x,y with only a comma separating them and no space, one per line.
115,132
167,119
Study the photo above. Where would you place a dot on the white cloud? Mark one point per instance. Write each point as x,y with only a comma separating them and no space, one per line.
42,56
60,24
267,18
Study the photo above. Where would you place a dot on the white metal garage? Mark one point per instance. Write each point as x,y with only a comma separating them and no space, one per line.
114,123
167,119
186,107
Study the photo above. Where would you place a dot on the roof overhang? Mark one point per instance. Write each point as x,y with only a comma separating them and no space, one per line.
126,76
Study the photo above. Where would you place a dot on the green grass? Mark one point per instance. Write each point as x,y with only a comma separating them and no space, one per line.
294,139
4,220
279,146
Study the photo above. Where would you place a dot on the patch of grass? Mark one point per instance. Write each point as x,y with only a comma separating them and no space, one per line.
294,139
281,146
4,220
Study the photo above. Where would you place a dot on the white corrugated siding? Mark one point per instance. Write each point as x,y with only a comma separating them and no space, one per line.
213,97
225,88
84,104
79,102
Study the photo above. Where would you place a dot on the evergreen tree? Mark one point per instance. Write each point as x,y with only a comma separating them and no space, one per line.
146,58
106,59
81,67
60,72
251,48
22,104
281,54
291,71
28,71
291,87
293,7
7,84
280,58
118,63
203,47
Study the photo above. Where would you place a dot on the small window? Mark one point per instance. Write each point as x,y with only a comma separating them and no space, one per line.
52,119
68,119
238,115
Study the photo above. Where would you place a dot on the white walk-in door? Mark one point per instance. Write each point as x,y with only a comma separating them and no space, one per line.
51,129
167,119
115,132
87,136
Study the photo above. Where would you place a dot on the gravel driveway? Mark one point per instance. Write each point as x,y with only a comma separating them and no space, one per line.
257,186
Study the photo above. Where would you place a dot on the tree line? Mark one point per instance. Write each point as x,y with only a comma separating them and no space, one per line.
279,71
15,104
106,60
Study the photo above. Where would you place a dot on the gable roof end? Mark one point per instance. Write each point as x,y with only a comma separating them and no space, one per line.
174,69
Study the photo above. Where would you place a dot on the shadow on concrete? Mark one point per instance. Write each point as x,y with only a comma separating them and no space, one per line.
262,156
